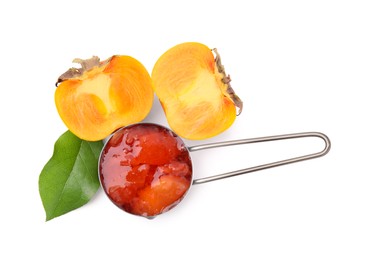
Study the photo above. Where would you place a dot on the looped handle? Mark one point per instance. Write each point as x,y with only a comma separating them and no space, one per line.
264,166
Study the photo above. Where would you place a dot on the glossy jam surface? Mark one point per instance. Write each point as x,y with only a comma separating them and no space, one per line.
145,169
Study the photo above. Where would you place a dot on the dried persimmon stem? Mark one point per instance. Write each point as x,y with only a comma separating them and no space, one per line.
77,72
226,79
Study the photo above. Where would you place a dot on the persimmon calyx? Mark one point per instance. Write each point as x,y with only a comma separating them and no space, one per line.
86,65
226,79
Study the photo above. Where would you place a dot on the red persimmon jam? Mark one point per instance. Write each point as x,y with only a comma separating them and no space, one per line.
145,169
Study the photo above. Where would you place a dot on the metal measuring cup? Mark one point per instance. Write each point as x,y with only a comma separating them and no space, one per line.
123,157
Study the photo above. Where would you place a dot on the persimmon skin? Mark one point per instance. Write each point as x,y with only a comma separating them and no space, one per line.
112,94
193,92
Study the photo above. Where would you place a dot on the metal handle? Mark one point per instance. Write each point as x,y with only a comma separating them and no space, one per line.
264,166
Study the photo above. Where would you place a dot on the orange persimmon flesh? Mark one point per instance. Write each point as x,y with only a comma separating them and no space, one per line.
101,97
194,91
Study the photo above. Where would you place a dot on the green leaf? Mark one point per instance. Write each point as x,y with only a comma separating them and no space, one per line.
70,177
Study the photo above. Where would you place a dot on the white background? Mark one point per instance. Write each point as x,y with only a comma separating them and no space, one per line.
297,65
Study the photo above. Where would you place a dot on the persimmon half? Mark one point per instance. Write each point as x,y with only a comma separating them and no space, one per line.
95,100
195,91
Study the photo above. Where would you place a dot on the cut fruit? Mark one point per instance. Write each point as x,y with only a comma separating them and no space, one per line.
100,97
195,91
